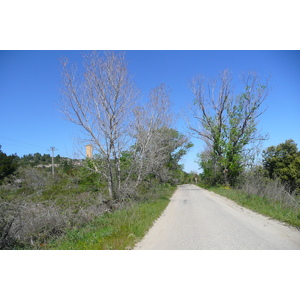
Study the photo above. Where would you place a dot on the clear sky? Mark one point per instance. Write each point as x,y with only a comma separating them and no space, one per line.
30,88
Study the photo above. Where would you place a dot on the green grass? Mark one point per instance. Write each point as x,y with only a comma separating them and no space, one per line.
273,209
118,230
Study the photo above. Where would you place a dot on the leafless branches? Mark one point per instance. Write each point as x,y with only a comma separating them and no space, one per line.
101,102
227,123
150,131
131,140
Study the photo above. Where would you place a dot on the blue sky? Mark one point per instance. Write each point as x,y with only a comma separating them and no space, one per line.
30,88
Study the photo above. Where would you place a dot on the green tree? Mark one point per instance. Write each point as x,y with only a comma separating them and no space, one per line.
227,123
174,146
283,161
8,164
211,170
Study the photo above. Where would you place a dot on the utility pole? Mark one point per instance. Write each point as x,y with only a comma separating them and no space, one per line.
52,149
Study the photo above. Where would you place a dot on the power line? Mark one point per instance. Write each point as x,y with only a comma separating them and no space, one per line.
13,140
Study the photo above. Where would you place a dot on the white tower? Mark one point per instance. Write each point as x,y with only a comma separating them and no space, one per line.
89,151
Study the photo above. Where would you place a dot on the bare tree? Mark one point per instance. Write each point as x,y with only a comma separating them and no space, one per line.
227,123
131,141
101,102
150,132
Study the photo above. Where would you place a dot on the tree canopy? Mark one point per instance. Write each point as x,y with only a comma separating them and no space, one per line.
227,123
8,164
283,161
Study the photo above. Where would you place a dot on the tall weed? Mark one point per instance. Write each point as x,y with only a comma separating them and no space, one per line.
265,196
271,189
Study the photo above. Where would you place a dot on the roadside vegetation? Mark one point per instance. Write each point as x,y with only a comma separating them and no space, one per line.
271,188
120,229
73,210
282,209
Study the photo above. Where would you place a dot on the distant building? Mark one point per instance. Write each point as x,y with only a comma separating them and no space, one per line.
89,151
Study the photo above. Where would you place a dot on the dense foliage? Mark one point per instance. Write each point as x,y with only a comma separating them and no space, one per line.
8,164
37,159
283,161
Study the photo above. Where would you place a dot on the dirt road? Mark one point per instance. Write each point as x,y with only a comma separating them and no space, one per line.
199,219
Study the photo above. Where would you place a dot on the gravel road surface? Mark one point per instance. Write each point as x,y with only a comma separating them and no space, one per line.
199,219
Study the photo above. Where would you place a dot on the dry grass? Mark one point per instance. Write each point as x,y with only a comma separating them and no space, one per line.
27,224
265,196
271,189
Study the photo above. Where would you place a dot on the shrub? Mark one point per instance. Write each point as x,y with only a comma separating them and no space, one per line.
27,224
